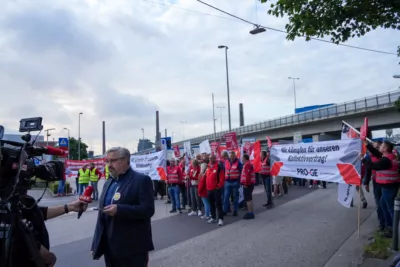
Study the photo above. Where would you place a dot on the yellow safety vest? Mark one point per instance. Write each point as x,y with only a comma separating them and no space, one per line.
107,172
93,175
84,176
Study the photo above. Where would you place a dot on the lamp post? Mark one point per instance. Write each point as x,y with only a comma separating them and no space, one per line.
79,135
68,142
397,76
183,129
172,137
294,89
220,108
48,134
227,83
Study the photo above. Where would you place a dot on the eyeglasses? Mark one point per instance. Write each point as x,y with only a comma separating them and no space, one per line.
108,161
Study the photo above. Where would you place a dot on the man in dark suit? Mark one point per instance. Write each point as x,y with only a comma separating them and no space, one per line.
123,229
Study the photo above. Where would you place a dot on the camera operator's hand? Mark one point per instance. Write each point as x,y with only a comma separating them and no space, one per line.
76,205
49,258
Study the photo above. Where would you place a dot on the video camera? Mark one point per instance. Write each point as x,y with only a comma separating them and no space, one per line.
17,166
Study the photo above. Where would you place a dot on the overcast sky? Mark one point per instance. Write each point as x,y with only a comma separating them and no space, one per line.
121,60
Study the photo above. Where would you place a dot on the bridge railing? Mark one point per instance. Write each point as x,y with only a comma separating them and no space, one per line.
356,106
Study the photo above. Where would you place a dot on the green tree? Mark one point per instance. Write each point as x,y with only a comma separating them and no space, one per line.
341,20
73,149
397,104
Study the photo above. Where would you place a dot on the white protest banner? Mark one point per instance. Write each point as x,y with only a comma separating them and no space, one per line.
149,164
205,147
331,161
187,149
345,194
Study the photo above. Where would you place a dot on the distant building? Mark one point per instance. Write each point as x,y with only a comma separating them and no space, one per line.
144,144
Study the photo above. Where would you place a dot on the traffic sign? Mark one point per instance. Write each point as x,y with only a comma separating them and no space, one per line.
167,141
63,142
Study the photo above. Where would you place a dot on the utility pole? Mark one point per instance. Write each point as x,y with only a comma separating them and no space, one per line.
294,90
215,131
48,134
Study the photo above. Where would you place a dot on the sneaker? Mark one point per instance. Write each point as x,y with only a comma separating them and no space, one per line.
220,222
270,206
319,186
180,211
235,213
211,220
172,211
310,186
199,213
365,205
193,213
248,216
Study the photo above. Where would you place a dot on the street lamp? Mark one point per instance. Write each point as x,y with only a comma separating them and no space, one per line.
172,137
227,83
68,142
183,132
48,134
79,135
220,108
294,89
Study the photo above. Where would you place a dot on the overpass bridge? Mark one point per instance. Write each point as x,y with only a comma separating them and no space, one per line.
326,121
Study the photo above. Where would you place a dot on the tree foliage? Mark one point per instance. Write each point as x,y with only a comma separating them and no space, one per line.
73,149
341,20
397,104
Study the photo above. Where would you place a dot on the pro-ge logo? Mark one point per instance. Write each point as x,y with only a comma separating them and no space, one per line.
307,172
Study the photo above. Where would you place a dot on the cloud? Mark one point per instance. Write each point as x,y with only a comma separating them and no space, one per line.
120,61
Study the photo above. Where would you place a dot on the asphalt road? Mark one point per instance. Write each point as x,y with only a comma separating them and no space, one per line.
167,232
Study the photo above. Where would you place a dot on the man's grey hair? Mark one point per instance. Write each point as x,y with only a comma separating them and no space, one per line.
122,152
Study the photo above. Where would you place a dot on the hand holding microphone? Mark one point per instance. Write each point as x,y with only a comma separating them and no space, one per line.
86,198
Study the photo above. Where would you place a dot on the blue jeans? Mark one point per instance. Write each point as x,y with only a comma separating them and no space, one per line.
82,188
77,185
268,187
61,187
377,197
231,187
95,190
174,192
206,206
387,203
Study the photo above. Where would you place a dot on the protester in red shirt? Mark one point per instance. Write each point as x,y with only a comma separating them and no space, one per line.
174,180
194,174
215,178
248,179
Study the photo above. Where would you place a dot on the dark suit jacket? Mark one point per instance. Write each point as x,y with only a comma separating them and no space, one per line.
129,231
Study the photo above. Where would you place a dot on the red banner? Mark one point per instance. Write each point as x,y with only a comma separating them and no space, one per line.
269,142
231,141
177,152
72,166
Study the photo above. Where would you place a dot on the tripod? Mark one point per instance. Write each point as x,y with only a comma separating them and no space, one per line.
13,227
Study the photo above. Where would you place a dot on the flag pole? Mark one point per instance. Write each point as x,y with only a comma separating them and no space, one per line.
360,186
357,131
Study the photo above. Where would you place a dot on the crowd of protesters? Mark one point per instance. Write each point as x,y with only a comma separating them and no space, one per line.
211,188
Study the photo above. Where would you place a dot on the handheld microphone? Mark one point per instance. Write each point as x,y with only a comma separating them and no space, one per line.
86,197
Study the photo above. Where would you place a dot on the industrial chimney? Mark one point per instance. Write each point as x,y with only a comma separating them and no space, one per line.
241,115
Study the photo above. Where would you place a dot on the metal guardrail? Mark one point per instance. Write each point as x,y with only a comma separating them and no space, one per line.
352,107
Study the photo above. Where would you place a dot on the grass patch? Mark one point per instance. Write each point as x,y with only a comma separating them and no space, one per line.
379,248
